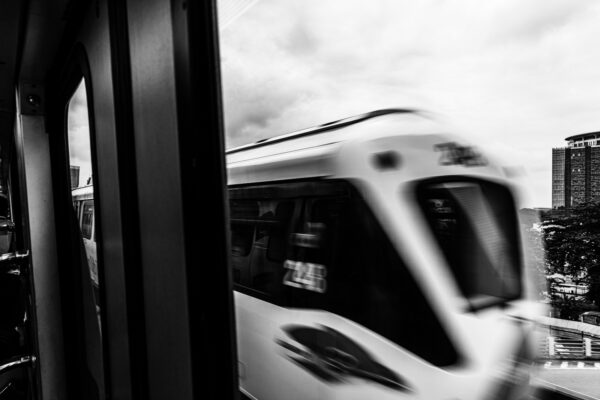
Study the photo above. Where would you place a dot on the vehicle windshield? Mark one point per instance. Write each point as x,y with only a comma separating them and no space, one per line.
475,225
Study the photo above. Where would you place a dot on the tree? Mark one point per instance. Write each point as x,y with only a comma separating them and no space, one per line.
534,252
572,242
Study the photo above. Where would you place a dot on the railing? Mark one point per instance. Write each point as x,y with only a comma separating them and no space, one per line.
568,340
558,348
574,327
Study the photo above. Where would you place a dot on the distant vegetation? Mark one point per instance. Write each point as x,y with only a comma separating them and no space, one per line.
571,240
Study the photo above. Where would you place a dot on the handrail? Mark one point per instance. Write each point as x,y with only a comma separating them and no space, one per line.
16,363
14,256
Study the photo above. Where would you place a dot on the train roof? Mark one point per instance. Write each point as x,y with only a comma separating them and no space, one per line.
83,191
334,149
323,128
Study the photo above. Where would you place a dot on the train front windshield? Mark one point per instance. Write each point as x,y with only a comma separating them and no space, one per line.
475,225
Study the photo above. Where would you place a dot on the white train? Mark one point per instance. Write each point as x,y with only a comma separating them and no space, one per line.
83,205
376,257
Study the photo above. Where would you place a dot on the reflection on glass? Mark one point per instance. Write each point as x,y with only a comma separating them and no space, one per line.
82,196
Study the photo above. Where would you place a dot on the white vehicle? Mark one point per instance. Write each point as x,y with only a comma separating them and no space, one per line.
83,204
376,257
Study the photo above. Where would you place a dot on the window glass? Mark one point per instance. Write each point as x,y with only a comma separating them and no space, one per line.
366,281
87,219
259,230
287,66
476,227
82,193
334,257
82,199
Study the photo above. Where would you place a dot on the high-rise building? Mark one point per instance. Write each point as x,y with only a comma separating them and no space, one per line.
74,176
576,171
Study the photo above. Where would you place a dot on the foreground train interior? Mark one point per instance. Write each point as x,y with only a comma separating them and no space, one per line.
155,247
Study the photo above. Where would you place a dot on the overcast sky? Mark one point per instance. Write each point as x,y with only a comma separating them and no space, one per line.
515,76
79,134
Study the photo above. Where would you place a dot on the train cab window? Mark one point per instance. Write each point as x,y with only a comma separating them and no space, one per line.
87,219
474,224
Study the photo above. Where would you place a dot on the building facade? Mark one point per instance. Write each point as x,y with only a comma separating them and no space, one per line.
576,171
74,176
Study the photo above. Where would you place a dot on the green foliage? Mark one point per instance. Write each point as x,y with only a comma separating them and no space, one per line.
569,307
572,243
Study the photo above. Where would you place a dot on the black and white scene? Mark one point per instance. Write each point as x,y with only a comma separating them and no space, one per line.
299,200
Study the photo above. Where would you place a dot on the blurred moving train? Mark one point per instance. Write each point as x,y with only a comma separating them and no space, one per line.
83,206
373,256
155,319
367,257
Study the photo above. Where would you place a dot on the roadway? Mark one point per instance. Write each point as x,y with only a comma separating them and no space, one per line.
570,372
567,379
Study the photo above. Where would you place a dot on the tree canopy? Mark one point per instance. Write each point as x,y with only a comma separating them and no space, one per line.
572,249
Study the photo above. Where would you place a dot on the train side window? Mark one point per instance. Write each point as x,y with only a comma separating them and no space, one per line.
243,215
311,257
279,231
241,239
259,232
87,219
268,249
83,199
82,191
241,244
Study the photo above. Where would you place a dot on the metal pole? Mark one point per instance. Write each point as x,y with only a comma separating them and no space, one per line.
588,347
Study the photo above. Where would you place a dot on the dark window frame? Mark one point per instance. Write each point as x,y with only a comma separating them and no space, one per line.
61,89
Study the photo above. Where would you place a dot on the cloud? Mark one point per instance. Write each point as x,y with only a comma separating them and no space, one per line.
79,134
516,76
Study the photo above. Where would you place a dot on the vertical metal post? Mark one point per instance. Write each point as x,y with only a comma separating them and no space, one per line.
551,344
588,347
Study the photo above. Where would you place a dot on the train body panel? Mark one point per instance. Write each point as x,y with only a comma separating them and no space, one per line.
409,184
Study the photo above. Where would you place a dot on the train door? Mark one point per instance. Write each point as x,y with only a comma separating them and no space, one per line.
85,350
164,312
146,314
